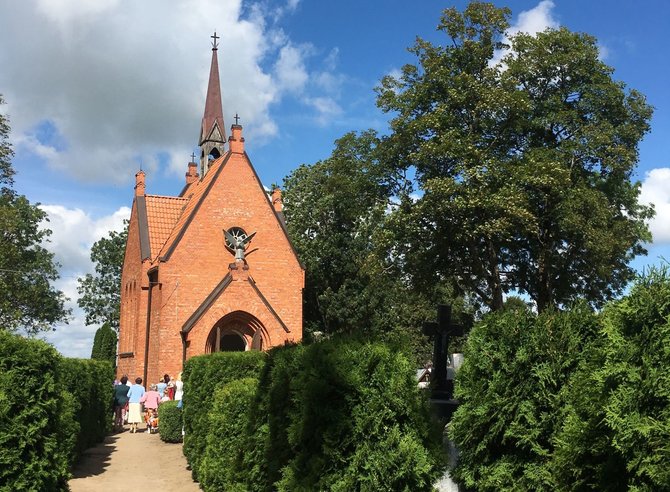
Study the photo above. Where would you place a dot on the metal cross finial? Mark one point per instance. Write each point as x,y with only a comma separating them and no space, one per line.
192,156
237,119
215,45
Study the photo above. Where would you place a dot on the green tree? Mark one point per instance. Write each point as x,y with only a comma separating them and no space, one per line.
332,209
100,294
104,344
525,165
337,213
27,299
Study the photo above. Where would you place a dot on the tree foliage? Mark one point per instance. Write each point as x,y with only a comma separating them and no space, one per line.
100,293
332,209
525,164
337,212
27,299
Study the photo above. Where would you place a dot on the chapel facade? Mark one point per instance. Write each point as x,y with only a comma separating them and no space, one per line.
212,268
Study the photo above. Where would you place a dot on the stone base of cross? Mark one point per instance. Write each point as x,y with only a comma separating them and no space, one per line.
441,386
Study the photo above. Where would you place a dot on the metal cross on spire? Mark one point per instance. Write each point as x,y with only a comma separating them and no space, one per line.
215,45
192,156
237,119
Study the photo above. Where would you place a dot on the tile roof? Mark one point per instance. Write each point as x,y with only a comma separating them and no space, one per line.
195,195
163,213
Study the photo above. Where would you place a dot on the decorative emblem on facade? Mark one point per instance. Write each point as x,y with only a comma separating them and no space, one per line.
237,240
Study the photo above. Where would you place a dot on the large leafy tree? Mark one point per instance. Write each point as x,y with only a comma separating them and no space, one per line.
336,212
332,208
28,301
525,164
100,293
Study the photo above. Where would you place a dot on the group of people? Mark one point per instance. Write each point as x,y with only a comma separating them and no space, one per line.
130,398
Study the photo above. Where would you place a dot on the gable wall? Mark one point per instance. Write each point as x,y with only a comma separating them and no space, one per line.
200,261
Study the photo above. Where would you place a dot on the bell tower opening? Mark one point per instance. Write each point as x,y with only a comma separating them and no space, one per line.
214,153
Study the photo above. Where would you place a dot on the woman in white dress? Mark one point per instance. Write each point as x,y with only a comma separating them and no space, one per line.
179,388
135,393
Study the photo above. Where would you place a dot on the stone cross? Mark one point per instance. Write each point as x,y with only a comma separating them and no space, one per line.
443,330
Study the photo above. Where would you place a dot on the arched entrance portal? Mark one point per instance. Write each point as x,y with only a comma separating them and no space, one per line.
236,332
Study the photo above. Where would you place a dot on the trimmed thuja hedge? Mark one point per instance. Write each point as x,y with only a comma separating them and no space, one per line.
337,415
170,421
51,408
202,376
572,400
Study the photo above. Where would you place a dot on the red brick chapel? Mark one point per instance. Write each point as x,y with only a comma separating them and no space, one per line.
209,269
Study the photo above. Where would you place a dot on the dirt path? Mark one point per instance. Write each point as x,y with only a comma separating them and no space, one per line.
125,461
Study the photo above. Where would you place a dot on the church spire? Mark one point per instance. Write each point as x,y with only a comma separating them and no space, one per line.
212,131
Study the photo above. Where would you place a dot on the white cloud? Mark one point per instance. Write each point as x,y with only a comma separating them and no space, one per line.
290,69
124,81
534,20
603,51
656,190
326,108
73,234
530,21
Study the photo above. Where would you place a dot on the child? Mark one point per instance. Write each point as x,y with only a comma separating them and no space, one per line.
152,422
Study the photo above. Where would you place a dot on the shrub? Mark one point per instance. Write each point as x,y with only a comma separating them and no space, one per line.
636,378
221,467
202,376
90,383
359,422
265,443
337,415
513,388
33,454
170,421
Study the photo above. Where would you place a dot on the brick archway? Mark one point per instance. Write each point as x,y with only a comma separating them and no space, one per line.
241,324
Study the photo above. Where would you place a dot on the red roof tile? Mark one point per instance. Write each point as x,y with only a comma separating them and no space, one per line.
163,213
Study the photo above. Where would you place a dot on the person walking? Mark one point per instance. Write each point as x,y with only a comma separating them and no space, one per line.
135,394
120,402
151,400
160,387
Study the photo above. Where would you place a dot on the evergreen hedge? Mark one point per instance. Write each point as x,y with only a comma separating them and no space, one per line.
222,465
90,382
51,409
337,415
511,387
170,421
357,421
202,376
33,447
569,401
104,344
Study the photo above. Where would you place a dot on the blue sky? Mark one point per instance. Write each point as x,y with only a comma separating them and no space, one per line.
96,89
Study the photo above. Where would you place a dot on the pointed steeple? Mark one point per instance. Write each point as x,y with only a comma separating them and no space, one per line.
212,130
